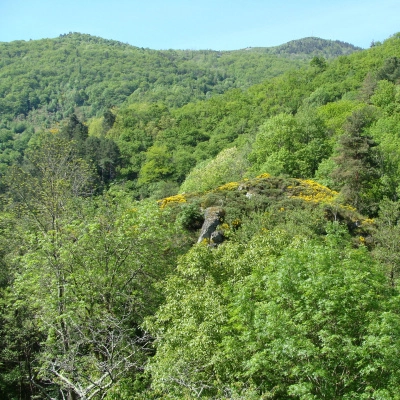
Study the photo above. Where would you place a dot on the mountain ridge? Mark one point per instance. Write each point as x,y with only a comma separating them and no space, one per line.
269,49
80,70
310,46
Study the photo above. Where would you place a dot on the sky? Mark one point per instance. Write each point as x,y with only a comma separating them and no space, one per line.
205,24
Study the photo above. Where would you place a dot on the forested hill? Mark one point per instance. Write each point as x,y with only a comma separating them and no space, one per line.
241,246
49,78
310,46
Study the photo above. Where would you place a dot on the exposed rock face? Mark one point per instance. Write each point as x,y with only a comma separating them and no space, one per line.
213,216
217,237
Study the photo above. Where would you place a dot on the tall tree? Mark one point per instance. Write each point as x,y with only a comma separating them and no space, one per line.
40,196
85,276
357,162
387,249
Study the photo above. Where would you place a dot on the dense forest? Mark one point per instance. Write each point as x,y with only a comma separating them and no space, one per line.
188,224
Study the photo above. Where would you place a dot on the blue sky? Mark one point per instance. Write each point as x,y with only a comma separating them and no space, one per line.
206,24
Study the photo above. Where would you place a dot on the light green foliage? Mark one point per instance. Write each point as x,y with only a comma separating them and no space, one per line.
96,127
300,331
334,114
276,139
291,145
323,174
94,301
386,132
157,165
188,327
385,96
52,176
322,95
229,165
89,285
276,317
387,236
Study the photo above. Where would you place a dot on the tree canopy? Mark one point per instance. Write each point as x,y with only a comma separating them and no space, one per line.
196,224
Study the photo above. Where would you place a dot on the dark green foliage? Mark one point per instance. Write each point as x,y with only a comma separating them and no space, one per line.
75,130
102,152
190,217
357,163
14,140
105,156
315,47
319,63
390,70
109,119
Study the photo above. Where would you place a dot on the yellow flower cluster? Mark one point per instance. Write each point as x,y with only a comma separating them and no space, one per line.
229,186
265,175
348,208
368,221
311,191
179,198
236,223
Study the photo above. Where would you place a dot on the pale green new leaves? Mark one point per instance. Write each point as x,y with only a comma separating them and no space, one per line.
303,319
90,290
229,165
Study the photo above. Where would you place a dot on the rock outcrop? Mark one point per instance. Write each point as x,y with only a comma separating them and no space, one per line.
213,217
217,237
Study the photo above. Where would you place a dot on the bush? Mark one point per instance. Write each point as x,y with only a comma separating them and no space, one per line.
190,217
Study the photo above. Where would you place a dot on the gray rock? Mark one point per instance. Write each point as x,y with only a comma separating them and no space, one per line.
213,216
217,237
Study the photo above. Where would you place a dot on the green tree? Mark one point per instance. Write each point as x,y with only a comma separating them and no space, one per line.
390,70
51,176
357,169
387,250
105,156
157,166
40,195
229,165
274,317
75,130
86,282
385,97
319,63
188,328
291,145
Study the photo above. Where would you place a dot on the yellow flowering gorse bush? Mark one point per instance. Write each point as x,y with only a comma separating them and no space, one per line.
179,198
265,175
229,186
311,191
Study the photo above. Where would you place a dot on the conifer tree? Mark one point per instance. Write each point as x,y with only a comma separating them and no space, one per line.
357,162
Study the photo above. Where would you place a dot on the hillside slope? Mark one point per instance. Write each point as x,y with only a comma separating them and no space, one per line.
309,46
244,246
288,124
76,70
